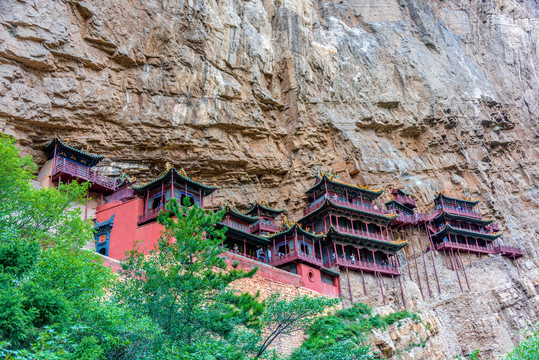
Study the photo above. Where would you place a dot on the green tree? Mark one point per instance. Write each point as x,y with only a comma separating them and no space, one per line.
183,285
282,317
527,349
45,276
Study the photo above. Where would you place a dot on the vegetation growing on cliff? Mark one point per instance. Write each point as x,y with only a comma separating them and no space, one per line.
344,334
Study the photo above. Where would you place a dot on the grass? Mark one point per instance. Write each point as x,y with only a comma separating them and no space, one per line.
354,323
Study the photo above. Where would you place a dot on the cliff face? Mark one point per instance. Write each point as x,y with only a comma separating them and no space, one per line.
255,95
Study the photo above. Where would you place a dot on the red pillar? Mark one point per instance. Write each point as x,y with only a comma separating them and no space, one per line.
296,249
423,257
432,258
349,287
416,267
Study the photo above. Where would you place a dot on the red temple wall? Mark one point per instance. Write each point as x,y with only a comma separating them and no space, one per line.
314,281
125,231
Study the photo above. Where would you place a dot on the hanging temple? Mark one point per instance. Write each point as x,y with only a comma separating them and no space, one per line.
344,227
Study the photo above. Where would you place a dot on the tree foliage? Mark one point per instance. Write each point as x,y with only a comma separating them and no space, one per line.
183,285
344,334
283,317
527,349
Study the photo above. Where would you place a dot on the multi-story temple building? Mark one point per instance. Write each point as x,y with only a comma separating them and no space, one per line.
457,225
344,227
133,211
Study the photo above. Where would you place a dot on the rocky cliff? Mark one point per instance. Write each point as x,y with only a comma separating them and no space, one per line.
255,95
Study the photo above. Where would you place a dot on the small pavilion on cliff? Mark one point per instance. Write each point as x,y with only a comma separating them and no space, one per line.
170,184
71,164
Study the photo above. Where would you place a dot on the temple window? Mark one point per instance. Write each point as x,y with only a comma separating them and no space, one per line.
155,202
326,279
305,248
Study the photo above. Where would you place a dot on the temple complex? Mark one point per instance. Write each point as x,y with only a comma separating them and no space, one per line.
344,229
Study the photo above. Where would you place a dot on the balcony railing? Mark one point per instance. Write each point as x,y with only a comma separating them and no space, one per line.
264,227
244,228
358,206
465,247
364,265
280,259
460,211
436,229
318,203
406,200
509,251
125,193
149,215
246,255
84,173
364,234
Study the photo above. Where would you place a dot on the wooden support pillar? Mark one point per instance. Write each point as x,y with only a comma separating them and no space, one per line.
383,287
349,287
406,257
451,256
273,253
423,257
325,225
212,201
363,280
390,264
244,247
464,271
416,267
59,181
400,283
432,258
379,281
